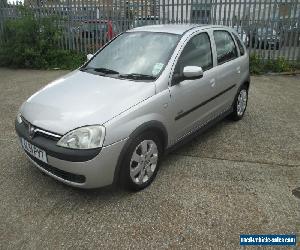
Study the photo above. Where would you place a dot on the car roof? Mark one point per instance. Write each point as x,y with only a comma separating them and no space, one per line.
173,28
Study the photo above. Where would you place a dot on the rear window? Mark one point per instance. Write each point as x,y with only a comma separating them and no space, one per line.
226,49
240,45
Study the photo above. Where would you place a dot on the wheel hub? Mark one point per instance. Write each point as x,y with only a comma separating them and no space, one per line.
242,102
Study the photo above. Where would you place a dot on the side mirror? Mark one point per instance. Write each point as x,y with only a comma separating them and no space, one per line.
192,72
89,56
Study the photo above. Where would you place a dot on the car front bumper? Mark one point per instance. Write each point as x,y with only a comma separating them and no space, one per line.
85,171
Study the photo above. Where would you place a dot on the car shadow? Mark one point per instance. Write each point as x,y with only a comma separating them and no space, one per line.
196,140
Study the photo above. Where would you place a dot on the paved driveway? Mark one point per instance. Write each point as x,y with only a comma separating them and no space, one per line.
236,178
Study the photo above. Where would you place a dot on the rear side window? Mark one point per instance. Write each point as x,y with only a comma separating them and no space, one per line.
197,52
226,49
240,45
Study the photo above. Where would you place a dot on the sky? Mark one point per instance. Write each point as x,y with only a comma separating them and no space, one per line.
10,1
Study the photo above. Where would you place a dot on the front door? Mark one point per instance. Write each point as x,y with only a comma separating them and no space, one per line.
191,99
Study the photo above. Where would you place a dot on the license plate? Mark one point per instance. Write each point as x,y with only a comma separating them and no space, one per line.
34,150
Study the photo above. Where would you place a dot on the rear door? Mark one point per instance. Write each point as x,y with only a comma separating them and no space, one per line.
228,69
243,60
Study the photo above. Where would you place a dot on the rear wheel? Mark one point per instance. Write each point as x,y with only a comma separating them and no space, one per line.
141,161
240,104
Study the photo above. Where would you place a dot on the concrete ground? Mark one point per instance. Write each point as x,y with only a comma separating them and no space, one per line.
237,178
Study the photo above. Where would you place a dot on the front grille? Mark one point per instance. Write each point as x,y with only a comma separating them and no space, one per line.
58,172
42,141
41,132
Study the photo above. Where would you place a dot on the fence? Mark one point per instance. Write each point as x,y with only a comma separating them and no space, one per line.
269,28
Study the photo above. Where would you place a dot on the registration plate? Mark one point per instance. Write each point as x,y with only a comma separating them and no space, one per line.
34,150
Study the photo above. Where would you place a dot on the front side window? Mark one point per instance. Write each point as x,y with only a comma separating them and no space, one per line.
139,55
197,52
240,45
226,49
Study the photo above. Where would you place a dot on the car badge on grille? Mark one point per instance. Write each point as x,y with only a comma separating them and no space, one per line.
31,131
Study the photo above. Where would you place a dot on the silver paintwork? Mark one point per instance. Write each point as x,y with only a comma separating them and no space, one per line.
33,130
98,172
167,28
192,71
143,161
80,99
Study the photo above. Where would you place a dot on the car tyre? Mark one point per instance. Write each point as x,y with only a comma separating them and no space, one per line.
240,104
141,162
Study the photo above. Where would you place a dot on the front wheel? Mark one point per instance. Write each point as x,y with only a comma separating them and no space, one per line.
141,161
240,104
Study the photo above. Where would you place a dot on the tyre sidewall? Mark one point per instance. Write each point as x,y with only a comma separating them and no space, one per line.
235,115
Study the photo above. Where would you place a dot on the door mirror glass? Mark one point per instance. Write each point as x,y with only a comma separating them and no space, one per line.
89,57
192,72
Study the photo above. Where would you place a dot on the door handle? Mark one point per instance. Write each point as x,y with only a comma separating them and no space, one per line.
213,82
238,69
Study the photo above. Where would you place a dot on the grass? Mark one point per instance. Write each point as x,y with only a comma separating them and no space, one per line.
259,66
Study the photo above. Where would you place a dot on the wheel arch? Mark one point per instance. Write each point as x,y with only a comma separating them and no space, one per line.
247,84
154,126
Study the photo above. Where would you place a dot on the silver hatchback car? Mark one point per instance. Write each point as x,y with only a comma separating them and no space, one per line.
143,93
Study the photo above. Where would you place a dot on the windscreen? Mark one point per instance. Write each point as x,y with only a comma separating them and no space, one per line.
144,53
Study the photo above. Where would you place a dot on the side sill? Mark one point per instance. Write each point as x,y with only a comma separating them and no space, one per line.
198,131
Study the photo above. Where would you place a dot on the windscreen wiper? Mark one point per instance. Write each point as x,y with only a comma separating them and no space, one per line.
106,71
136,76
103,70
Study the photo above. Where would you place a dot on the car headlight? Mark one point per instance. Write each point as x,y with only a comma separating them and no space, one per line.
83,138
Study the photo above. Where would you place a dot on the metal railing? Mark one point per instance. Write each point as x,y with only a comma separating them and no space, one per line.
269,28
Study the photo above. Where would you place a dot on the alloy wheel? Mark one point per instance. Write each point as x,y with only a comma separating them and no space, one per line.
143,161
241,102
